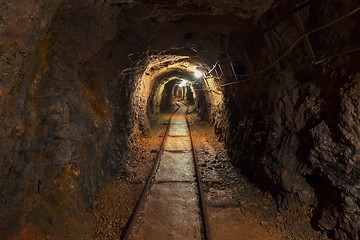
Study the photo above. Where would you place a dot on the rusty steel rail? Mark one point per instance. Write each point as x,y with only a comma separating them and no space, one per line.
134,216
202,201
205,229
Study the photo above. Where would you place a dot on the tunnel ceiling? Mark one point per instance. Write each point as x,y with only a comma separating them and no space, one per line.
173,10
174,22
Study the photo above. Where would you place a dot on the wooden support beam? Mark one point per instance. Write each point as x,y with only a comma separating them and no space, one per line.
232,68
271,50
251,67
306,40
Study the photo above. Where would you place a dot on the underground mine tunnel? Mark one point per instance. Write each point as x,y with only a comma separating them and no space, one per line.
267,91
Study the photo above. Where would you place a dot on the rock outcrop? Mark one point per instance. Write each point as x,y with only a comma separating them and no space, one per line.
296,132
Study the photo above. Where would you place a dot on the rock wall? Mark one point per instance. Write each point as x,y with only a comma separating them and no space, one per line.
55,122
22,28
297,132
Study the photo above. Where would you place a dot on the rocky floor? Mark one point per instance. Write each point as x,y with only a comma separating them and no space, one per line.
116,201
237,208
248,211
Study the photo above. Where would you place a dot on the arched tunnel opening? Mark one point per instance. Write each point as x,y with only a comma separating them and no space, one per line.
245,112
176,89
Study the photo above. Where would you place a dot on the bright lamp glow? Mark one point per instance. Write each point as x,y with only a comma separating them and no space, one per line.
183,83
198,74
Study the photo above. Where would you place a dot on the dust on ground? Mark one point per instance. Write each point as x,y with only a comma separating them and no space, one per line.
237,208
116,201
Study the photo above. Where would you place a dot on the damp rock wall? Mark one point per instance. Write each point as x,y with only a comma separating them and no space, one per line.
297,132
55,123
21,31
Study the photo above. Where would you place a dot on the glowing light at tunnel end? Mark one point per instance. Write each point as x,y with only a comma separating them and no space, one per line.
183,83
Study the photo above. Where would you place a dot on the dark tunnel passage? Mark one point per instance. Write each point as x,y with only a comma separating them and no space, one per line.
176,89
88,89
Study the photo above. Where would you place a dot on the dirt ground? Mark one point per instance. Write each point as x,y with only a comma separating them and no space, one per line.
237,208
116,201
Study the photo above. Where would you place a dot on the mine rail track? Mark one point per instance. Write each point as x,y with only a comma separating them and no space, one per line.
203,212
